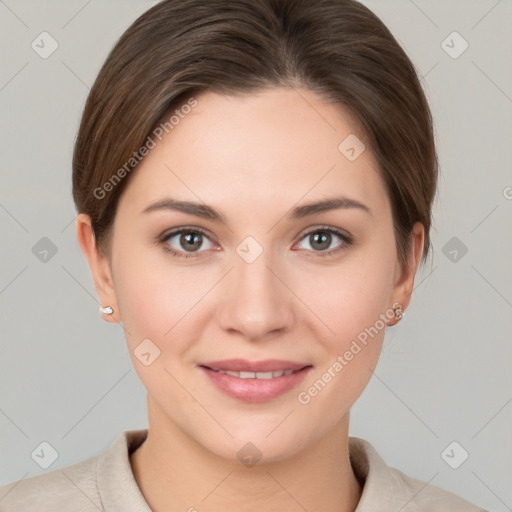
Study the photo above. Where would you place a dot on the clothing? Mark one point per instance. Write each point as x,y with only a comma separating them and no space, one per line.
105,482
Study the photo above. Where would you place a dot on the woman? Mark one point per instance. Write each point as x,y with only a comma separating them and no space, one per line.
254,182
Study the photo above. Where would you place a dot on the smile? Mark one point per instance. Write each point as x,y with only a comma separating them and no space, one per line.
256,375
254,381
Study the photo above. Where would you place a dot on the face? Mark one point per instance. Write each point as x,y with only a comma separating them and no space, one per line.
249,274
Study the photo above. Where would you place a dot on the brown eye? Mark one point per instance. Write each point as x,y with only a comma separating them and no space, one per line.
183,241
191,241
322,240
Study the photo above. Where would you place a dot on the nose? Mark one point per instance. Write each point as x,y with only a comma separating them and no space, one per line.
256,302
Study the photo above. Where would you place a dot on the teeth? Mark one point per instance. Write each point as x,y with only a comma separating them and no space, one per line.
256,375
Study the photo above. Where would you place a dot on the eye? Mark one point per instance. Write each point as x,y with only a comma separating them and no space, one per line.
187,242
320,241
184,242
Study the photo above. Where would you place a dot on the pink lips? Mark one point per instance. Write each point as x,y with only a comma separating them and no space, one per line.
255,389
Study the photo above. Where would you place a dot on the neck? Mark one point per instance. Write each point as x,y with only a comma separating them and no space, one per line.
174,473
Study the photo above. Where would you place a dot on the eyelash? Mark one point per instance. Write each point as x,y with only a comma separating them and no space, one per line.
347,239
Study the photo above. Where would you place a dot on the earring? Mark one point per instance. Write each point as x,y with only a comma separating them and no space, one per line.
399,313
108,310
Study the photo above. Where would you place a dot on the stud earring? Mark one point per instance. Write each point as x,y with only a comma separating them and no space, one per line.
108,310
399,313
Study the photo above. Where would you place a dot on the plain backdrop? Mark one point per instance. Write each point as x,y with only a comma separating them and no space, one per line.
445,373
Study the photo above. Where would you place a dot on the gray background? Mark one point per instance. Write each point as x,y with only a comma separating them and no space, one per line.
445,370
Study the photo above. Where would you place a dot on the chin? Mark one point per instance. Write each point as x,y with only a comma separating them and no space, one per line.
255,451
262,441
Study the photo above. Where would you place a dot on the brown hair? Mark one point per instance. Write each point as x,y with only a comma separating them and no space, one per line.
180,48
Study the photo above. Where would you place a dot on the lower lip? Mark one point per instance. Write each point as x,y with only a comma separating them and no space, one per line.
255,390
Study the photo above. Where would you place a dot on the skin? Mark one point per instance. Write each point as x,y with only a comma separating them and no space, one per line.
253,158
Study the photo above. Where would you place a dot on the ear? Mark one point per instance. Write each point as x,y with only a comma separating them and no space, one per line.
99,265
404,277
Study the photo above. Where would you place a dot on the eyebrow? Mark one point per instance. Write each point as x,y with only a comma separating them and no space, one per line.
207,212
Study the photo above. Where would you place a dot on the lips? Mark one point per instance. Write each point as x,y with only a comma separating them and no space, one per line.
255,381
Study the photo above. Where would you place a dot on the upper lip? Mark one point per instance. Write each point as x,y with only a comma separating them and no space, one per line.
243,365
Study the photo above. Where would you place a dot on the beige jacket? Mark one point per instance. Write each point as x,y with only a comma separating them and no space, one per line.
105,482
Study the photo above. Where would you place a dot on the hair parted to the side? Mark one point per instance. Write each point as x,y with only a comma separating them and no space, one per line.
180,48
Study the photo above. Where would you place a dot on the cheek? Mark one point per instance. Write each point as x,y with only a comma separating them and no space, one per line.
355,310
347,298
351,303
158,300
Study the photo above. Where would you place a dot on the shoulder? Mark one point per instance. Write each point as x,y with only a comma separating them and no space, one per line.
70,488
102,482
426,497
388,489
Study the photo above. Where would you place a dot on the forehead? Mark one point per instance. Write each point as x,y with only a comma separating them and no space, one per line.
275,145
